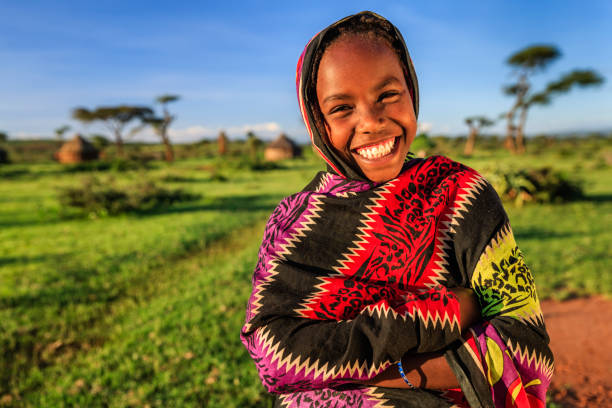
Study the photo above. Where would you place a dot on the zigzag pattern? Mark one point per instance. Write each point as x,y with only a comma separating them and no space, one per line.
295,364
285,399
533,359
352,252
325,179
375,400
465,197
379,400
309,215
427,317
364,233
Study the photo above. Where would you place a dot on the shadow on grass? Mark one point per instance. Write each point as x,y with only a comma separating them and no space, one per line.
252,202
33,222
541,234
598,198
8,260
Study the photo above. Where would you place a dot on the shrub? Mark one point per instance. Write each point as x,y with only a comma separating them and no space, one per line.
4,157
542,185
117,165
96,197
422,143
246,163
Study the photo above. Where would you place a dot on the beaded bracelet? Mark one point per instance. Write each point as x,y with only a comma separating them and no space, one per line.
401,371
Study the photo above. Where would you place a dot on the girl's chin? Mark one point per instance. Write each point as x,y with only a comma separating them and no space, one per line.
384,168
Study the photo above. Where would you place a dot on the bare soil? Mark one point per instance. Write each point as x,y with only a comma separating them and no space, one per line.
581,339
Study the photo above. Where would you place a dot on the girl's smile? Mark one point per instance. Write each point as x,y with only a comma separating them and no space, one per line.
366,105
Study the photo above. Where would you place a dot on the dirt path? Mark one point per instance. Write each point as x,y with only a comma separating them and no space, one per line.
581,340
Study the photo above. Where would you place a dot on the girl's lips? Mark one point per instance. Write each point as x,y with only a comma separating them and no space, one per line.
378,150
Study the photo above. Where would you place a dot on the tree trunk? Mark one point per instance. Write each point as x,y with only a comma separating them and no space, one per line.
222,144
520,139
119,143
471,141
509,142
169,153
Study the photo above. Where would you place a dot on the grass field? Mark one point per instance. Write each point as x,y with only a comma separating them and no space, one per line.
145,308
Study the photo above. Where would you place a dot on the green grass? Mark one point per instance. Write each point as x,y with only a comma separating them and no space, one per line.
145,308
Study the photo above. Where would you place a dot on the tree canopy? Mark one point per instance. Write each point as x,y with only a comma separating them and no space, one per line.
115,118
534,57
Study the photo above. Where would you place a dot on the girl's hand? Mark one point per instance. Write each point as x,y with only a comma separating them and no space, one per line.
469,308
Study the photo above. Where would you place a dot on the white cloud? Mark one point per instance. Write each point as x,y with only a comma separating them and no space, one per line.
24,136
268,127
264,130
424,127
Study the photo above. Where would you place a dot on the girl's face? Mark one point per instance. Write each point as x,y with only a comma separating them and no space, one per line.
366,105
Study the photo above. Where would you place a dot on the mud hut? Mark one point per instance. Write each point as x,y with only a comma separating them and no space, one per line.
282,148
77,150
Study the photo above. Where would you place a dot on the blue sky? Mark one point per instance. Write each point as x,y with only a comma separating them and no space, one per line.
233,63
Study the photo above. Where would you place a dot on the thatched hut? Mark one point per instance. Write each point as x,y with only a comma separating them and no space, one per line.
77,150
282,148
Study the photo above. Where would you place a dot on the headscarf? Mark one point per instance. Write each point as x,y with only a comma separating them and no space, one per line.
307,67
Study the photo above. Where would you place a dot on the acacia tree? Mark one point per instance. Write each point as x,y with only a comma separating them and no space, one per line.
576,78
526,62
475,123
253,144
60,131
161,124
115,118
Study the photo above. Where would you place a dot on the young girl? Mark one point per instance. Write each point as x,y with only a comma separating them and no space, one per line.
386,281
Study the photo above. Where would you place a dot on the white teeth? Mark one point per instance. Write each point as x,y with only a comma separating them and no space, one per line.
377,151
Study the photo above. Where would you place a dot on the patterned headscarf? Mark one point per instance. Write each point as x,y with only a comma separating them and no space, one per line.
308,64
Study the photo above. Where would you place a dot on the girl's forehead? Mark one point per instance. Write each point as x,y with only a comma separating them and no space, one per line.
357,49
361,42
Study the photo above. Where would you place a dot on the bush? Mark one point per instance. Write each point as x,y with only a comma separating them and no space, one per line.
246,163
117,165
542,185
422,143
4,157
100,198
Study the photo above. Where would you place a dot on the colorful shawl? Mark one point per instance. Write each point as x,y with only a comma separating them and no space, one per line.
352,275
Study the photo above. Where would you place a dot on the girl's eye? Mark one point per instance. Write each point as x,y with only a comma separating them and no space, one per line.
339,108
389,96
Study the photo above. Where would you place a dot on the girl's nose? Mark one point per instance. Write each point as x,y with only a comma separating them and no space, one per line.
370,119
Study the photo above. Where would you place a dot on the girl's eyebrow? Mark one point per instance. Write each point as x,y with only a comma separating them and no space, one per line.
336,96
387,81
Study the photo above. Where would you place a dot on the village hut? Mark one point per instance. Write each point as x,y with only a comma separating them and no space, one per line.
77,150
282,148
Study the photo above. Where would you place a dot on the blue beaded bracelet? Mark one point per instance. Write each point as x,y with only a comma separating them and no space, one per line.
401,371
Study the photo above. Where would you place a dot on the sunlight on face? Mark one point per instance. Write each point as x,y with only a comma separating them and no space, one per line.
366,105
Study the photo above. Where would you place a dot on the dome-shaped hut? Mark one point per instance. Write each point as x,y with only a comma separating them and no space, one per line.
77,150
282,148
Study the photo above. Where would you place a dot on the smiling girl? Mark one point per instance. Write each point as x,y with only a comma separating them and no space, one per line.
389,281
